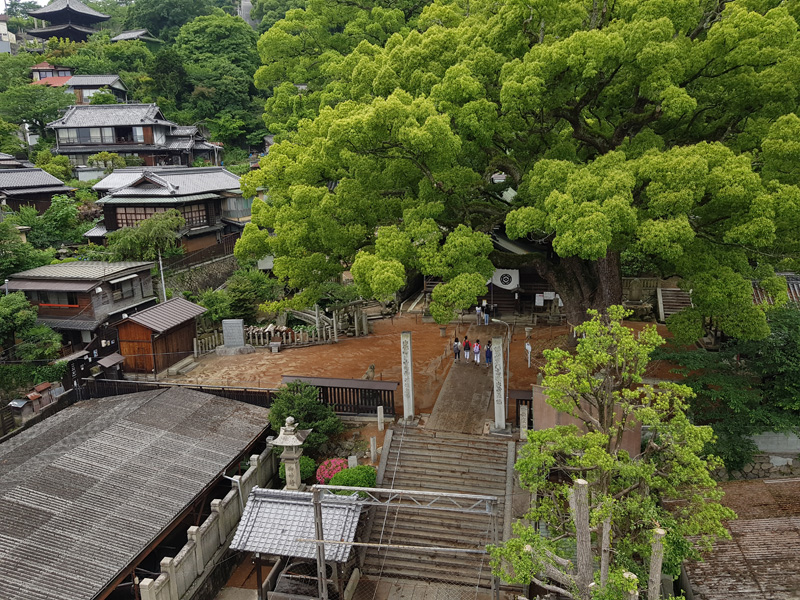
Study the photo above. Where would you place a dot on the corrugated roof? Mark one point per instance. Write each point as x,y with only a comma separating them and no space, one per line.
27,178
110,115
274,520
76,6
93,80
86,491
169,314
112,359
159,200
93,270
69,325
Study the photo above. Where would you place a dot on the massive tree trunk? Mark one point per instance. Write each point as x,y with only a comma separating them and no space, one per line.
583,284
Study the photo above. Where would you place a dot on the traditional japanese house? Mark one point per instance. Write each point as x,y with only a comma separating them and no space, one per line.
77,298
129,130
86,86
29,187
208,198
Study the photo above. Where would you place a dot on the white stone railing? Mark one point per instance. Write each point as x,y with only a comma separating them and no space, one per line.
182,574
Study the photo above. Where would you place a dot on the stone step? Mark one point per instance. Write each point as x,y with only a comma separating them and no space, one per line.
457,568
445,485
421,521
452,453
446,462
450,439
462,537
478,472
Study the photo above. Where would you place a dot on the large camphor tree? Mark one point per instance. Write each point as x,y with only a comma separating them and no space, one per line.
659,130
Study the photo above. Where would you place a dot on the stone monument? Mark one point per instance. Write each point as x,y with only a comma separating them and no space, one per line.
407,364
499,383
291,439
233,339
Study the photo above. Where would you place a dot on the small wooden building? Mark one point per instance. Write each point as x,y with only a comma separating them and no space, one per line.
156,338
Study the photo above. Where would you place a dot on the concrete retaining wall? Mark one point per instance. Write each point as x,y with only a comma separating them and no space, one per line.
184,575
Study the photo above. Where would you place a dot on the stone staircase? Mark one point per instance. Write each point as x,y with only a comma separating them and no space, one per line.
439,462
671,301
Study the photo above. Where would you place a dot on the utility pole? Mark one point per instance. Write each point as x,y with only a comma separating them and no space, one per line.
161,270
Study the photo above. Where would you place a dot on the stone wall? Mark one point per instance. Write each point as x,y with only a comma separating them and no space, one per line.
764,466
197,279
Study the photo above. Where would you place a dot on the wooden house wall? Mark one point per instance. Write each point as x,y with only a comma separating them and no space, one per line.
174,345
135,344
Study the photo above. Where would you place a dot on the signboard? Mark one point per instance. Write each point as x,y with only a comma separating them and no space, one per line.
233,333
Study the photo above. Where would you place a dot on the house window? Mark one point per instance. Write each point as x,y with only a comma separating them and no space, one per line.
107,135
64,73
138,135
128,216
122,290
124,135
195,214
57,299
77,159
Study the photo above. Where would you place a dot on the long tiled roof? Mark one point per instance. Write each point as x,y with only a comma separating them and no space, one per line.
110,115
167,182
135,34
11,179
169,314
274,520
93,270
86,491
155,200
92,80
53,81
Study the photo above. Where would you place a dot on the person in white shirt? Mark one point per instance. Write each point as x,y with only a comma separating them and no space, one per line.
476,350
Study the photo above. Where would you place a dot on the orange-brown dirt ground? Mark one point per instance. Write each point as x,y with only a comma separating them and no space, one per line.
351,357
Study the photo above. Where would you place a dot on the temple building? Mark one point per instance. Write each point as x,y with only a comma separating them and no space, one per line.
67,19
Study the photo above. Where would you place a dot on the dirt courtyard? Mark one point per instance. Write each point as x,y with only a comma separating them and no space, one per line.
351,357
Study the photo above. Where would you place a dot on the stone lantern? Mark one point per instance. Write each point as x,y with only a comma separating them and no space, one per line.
291,439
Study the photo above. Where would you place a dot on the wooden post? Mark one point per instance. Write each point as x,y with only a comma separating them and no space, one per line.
335,328
356,320
579,503
605,549
259,576
656,559
364,323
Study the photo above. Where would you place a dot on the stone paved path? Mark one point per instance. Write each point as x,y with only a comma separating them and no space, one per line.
464,403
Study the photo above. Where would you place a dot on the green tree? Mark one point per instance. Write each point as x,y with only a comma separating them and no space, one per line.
269,12
601,386
18,320
58,166
10,142
103,96
164,19
249,288
16,255
145,240
634,127
15,70
35,105
301,401
109,160
746,388
218,35
59,224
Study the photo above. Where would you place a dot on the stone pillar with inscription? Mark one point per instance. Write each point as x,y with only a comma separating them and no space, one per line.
407,364
291,439
498,356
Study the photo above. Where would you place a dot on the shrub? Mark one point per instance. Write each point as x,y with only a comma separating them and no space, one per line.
329,468
301,401
307,468
360,476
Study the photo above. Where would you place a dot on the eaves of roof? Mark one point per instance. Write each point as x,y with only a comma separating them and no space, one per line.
116,200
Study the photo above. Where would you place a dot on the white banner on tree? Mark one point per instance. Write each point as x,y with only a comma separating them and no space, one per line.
508,279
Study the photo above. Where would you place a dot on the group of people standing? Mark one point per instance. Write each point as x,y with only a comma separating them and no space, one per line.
472,349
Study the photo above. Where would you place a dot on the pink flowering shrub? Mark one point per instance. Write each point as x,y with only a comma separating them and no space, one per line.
329,468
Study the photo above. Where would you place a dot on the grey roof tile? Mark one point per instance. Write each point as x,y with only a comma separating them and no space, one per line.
181,181
93,80
110,115
67,5
12,179
274,520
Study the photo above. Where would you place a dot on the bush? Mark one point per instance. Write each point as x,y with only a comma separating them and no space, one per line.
301,401
307,468
329,468
361,476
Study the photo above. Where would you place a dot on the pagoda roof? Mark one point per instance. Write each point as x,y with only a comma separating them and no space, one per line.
76,33
62,12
